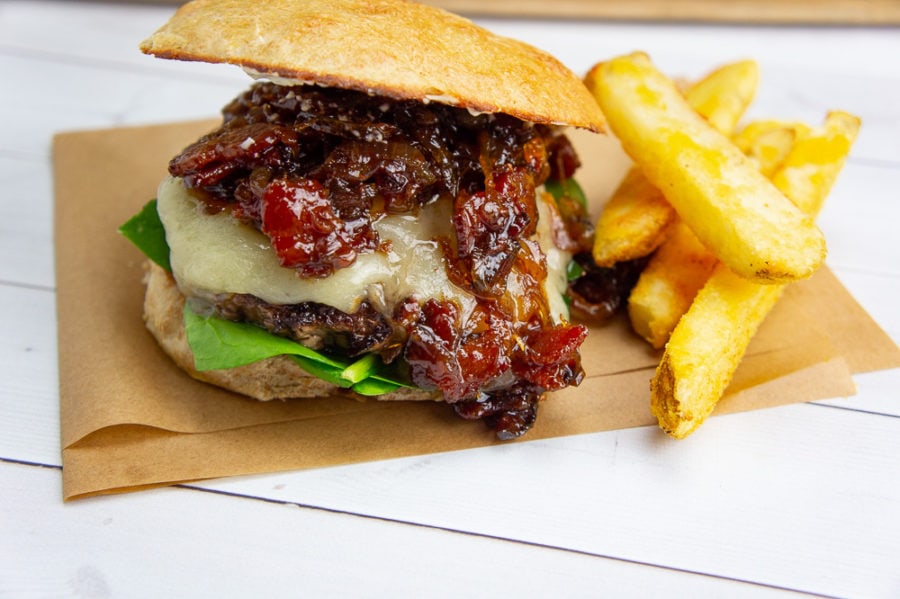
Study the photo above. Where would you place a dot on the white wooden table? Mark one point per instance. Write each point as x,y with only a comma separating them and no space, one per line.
802,499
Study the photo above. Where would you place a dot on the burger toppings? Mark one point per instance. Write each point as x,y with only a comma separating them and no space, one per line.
331,179
348,158
596,293
307,232
315,325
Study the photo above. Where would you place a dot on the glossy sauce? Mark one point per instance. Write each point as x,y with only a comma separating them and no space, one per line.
313,169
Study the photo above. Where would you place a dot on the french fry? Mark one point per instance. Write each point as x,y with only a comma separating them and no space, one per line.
668,284
681,266
813,164
767,149
634,220
733,209
722,96
705,349
757,133
712,337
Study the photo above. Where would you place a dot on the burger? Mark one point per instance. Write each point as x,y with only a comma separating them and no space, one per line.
388,211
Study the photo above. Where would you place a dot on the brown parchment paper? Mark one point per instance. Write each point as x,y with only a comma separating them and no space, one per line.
131,420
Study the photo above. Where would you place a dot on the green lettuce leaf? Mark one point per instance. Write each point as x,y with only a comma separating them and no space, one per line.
146,231
565,187
573,270
571,188
217,344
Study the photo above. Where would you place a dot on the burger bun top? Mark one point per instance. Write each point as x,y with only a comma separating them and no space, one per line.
396,48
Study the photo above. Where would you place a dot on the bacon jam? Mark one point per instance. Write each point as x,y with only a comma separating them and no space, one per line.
313,168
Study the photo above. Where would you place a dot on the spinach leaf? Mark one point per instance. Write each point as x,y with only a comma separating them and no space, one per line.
217,343
146,231
566,187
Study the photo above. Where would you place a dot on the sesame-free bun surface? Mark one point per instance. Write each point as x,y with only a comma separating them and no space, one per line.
395,48
273,378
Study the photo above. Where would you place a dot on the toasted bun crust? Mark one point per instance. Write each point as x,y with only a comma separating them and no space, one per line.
394,48
275,378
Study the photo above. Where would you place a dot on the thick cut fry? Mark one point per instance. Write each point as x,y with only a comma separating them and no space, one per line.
733,209
705,349
722,96
712,337
769,149
668,284
682,265
758,130
813,164
634,220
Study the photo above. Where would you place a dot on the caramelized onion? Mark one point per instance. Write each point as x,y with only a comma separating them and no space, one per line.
312,168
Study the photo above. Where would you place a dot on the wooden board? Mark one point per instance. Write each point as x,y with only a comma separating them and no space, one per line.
855,12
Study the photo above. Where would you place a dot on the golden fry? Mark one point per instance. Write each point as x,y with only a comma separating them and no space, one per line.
705,349
668,284
732,208
769,149
813,164
634,221
751,133
723,95
711,338
682,265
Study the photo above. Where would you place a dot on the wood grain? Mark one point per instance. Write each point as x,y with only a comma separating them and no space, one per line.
858,12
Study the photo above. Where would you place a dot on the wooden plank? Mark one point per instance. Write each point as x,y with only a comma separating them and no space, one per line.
800,497
857,12
188,543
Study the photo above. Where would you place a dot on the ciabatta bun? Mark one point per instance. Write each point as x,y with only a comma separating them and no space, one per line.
394,48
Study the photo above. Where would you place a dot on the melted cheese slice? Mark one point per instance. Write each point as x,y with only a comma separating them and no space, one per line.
216,254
